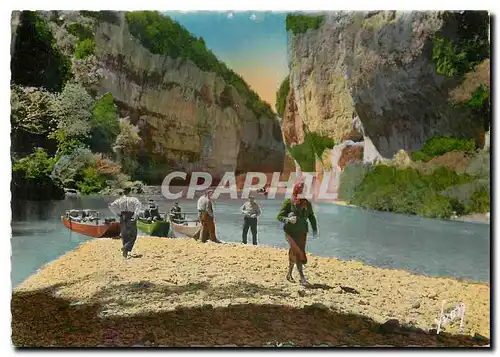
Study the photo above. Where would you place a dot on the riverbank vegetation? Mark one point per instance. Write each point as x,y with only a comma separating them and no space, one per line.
61,132
454,183
310,150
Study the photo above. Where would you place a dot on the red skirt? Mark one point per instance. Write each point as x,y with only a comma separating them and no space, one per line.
297,251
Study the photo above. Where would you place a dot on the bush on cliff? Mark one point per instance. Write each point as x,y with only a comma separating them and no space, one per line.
162,35
85,48
281,96
90,181
300,23
311,149
438,145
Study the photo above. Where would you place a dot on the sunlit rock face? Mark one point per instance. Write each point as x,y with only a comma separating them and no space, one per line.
369,78
189,119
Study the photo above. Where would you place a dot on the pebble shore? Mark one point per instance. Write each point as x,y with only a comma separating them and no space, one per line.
180,292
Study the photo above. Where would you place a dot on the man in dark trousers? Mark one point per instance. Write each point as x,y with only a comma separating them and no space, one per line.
127,208
251,210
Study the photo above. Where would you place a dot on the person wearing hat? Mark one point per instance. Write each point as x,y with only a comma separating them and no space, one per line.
175,212
127,208
251,210
153,210
206,216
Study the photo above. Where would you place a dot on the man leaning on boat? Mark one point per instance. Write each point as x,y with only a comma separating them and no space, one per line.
127,208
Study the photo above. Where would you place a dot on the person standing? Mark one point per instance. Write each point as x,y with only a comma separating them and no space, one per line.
127,208
206,216
251,210
295,213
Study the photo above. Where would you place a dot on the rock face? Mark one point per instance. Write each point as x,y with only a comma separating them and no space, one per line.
181,111
371,74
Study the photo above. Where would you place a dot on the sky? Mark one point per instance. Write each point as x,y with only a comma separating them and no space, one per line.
252,44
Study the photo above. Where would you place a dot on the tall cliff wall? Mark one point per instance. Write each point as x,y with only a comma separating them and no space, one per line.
188,119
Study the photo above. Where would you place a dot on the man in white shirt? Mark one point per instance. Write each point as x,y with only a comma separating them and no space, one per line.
127,208
251,210
206,215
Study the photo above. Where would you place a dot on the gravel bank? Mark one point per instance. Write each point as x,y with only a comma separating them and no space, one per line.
178,292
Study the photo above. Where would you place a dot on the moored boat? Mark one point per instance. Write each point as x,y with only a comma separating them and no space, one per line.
185,227
155,229
89,223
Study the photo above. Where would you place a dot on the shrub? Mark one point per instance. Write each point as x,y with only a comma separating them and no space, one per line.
80,31
299,23
34,166
480,202
438,145
350,178
281,96
91,181
69,167
313,147
408,191
85,48
105,124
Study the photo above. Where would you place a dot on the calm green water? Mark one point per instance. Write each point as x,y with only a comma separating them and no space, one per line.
419,245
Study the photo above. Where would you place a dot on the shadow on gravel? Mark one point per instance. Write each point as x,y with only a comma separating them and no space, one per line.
41,320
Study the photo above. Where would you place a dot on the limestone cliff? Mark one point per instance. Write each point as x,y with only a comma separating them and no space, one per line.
188,119
370,78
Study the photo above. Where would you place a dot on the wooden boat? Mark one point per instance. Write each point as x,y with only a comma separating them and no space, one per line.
155,229
89,223
185,227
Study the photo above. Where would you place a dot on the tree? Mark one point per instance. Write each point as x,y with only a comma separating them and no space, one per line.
73,108
127,146
105,125
32,119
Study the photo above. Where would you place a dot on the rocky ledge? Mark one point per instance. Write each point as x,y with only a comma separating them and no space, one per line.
179,293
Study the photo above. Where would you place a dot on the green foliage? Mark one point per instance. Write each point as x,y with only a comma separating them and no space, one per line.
68,168
313,147
34,166
438,146
350,178
480,202
299,23
82,32
161,35
105,125
480,97
73,109
281,96
37,62
459,55
85,48
387,188
32,119
91,182
104,15
31,178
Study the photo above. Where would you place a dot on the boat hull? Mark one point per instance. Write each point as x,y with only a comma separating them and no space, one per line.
155,229
109,230
182,230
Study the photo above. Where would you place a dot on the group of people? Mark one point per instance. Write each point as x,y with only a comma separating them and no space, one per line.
295,214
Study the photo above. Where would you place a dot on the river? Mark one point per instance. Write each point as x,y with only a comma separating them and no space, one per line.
419,245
